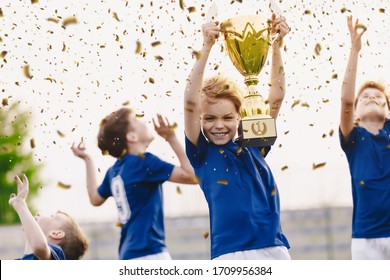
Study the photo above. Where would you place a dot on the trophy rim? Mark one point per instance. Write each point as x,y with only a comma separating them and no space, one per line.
224,26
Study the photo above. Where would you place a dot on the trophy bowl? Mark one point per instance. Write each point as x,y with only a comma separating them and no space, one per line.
247,40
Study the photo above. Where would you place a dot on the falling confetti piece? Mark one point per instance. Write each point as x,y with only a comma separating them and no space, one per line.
26,71
197,54
382,11
151,80
189,109
361,183
139,115
5,102
191,9
158,57
141,155
317,49
307,12
115,16
69,20
55,20
222,182
319,165
155,44
34,1
63,47
362,26
3,54
138,48
343,10
334,76
221,151
331,132
173,126
32,143
60,134
284,168
239,150
206,234
195,179
63,186
181,4
144,96
118,224
1,13
273,191
296,102
126,103
178,190
51,79
105,153
305,104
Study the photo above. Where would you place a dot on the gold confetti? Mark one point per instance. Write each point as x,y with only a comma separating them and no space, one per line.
5,102
196,179
334,76
141,155
178,190
3,54
296,102
181,4
118,224
55,20
51,79
69,20
105,152
138,48
239,150
222,182
155,44
197,54
63,186
144,96
126,103
158,57
189,109
343,10
191,9
115,16
362,26
206,234
168,93
319,165
32,143
63,47
173,126
331,132
305,104
26,71
1,13
34,1
221,151
361,183
381,10
139,115
307,12
325,100
60,134
273,191
284,168
317,49
151,80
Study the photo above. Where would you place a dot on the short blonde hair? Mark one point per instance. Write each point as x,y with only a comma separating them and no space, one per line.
219,87
376,85
75,242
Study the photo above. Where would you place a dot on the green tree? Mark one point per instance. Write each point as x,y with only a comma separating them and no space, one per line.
16,158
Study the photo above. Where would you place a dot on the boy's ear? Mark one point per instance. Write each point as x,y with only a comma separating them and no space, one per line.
131,137
57,234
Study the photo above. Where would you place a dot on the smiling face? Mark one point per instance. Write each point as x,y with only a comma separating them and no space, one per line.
371,104
220,120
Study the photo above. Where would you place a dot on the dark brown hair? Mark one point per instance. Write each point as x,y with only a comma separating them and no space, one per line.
112,133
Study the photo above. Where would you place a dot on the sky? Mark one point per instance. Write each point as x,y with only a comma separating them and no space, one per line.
89,58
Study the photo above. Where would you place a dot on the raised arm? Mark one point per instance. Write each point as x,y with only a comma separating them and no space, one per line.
35,237
278,88
184,173
349,82
92,186
194,84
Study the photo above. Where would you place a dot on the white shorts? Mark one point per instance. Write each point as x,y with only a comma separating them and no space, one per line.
158,256
268,253
370,248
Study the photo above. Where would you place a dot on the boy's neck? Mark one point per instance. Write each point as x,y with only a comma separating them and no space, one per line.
137,148
372,126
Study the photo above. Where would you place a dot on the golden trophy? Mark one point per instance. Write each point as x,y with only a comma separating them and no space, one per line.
247,39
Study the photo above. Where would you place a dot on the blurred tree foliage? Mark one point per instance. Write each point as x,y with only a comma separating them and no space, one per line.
16,158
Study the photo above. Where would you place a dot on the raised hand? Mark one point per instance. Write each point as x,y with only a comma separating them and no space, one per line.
356,37
79,150
210,32
22,191
163,128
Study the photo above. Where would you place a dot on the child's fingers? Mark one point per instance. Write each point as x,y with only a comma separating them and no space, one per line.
18,181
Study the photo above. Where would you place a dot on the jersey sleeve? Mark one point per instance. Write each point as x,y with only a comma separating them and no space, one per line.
156,170
56,252
195,154
104,189
348,144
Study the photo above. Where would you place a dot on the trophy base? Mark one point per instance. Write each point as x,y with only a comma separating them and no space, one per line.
257,132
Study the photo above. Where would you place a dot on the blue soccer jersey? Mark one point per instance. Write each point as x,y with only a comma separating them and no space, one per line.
241,194
369,164
135,183
56,253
